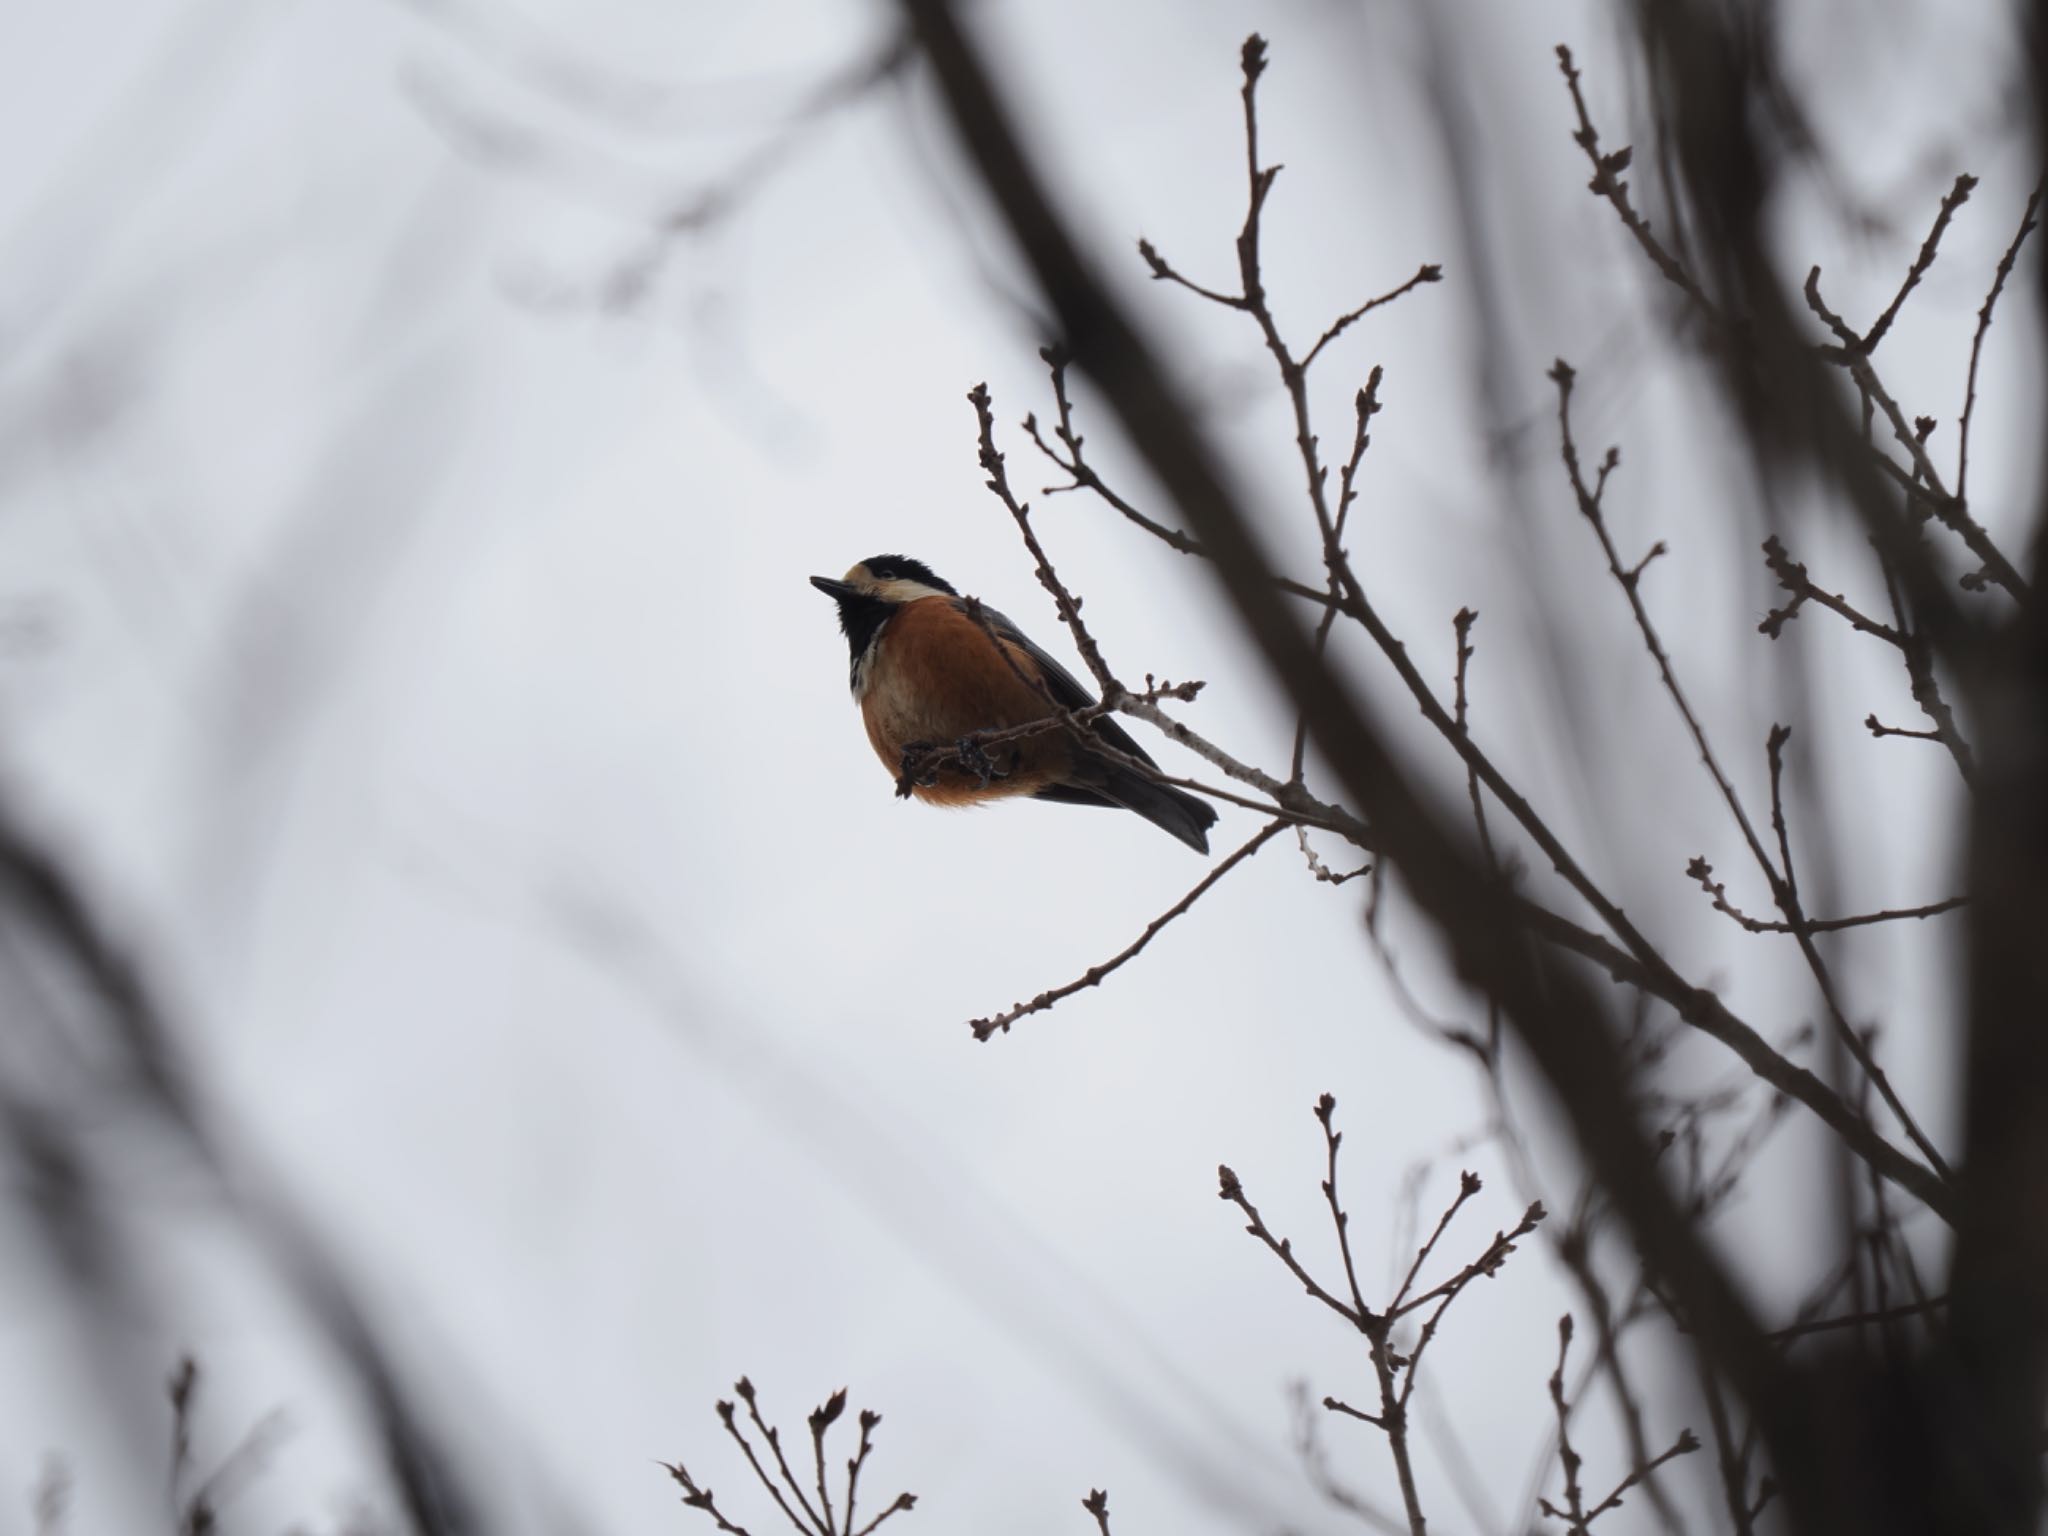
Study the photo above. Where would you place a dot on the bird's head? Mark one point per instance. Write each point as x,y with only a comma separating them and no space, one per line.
870,592
888,580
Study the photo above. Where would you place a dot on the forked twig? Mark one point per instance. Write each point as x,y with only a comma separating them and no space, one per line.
808,1520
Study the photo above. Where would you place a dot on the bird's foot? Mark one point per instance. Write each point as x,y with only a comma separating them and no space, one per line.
918,768
974,759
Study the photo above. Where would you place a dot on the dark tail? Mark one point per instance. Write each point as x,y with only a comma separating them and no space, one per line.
1175,810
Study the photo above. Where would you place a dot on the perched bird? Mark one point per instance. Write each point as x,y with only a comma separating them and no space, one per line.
927,673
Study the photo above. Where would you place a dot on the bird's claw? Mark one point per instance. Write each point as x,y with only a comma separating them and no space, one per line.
974,759
909,778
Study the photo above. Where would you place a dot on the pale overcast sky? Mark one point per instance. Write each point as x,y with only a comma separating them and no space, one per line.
405,559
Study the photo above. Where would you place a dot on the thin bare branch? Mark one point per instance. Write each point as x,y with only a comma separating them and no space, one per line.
821,1419
1428,272
1858,1319
1948,510
1880,730
1784,886
1326,1116
1231,1189
1793,578
1574,1512
1607,183
745,1389
1485,1266
1068,605
902,1502
1686,1443
1957,196
1093,976
1703,872
1468,1186
698,1497
2005,266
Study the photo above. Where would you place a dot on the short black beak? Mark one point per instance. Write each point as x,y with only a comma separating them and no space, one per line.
837,590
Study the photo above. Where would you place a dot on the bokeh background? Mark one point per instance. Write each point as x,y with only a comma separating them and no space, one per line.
417,423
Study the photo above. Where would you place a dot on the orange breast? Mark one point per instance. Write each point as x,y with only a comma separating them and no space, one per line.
938,676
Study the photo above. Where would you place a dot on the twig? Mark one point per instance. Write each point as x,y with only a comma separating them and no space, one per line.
1097,1504
1563,1019
1706,1012
1780,876
1428,272
869,1420
1487,1265
1326,1116
1446,1031
821,1419
1802,931
1291,798
1607,183
1084,476
1957,196
903,1501
1858,1319
1574,1249
1166,274
1948,510
1295,800
246,1460
1665,982
1461,631
1852,353
1315,1464
1703,872
1093,976
1912,645
697,1497
819,1521
1069,606
1468,1186
2005,265
1793,578
1396,1374
1686,1443
1323,873
1083,473
182,1389
1920,678
1566,1456
1589,503
1731,1459
726,1416
1880,730
1230,1188
1366,406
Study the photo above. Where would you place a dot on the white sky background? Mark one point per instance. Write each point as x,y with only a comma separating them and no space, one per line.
418,656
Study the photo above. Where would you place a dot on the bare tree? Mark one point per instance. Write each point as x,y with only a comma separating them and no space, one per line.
1953,1366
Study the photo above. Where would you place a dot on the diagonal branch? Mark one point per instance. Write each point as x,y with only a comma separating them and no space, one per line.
1095,974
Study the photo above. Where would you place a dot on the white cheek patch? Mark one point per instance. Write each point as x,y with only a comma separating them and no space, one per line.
901,590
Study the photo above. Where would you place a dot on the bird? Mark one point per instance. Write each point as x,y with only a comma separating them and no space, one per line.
931,669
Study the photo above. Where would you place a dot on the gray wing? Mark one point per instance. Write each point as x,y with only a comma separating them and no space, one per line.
1064,687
